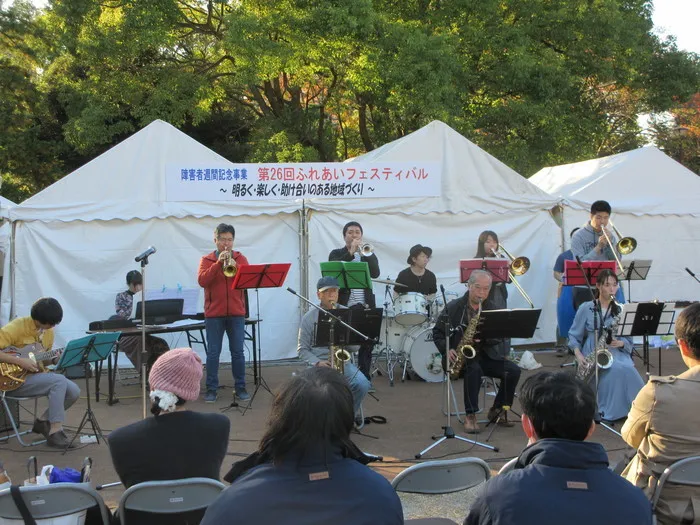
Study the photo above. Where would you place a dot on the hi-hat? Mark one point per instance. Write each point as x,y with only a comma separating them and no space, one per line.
389,281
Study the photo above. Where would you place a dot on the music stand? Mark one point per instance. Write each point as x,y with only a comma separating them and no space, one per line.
497,268
502,324
83,351
350,275
573,275
266,275
637,270
646,319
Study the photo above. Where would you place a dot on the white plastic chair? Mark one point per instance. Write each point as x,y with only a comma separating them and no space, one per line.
53,501
169,497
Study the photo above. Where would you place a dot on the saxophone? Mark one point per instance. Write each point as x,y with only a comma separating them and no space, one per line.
465,348
601,358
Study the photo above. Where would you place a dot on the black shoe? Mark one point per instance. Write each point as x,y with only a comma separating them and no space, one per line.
59,440
41,427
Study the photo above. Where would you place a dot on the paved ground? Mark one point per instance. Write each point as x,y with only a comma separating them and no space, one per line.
413,412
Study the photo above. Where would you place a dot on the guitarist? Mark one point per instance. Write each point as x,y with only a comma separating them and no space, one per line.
62,392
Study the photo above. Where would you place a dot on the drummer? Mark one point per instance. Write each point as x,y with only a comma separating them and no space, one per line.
417,278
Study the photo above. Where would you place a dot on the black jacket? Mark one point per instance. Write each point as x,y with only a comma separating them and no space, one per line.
455,310
342,254
560,481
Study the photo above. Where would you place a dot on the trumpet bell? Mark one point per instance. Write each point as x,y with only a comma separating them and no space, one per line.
520,266
366,250
626,245
230,271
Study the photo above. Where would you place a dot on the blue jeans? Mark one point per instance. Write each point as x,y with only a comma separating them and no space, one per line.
359,384
234,326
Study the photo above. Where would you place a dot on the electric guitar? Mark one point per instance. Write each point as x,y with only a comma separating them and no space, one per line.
13,376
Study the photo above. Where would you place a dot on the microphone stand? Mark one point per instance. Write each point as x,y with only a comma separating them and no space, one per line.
142,354
596,313
692,275
448,431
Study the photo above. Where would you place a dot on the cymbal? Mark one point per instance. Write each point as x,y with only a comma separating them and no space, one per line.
389,281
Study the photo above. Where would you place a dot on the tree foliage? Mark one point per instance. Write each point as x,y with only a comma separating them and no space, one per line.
534,82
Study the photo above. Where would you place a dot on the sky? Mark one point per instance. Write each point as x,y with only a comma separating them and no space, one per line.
671,17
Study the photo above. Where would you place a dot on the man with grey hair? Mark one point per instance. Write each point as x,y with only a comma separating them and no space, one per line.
490,358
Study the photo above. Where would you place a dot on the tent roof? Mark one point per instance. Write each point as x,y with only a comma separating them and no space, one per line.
128,181
472,180
643,181
5,205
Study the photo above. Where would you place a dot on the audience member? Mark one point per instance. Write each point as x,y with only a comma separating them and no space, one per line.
175,443
663,427
559,477
307,470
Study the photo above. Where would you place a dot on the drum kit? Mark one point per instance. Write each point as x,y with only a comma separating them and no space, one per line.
407,331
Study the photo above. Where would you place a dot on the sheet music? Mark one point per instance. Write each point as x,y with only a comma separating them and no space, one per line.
189,295
629,312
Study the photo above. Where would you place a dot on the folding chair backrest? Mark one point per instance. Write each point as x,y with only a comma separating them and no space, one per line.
169,497
508,466
53,501
685,471
441,477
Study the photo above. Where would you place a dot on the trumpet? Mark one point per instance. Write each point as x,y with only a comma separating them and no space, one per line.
625,245
229,265
518,266
366,249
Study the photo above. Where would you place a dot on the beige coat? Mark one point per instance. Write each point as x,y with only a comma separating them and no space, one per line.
664,426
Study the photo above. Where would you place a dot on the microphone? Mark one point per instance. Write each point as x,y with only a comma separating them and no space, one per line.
691,273
149,251
442,288
339,306
290,290
578,260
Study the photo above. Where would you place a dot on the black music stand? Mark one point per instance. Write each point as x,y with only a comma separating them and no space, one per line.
502,324
83,351
497,268
637,270
366,321
266,275
646,319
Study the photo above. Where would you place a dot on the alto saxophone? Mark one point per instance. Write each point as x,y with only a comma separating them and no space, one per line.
465,348
602,358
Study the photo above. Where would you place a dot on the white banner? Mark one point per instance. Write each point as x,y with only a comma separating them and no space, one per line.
302,181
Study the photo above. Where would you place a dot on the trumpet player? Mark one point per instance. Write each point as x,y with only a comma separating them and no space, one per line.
590,244
327,290
619,384
224,310
356,250
490,360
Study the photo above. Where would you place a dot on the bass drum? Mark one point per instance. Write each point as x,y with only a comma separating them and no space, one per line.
424,358
392,333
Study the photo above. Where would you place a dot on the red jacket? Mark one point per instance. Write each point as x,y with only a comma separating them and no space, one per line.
220,300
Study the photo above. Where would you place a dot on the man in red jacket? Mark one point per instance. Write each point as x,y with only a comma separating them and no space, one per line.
224,311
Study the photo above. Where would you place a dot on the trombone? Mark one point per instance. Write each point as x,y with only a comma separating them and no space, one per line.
518,266
625,245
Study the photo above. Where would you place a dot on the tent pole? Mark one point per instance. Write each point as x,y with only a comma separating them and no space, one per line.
303,254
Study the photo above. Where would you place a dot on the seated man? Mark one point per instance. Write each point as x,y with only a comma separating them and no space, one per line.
663,427
131,346
175,443
307,470
327,290
559,477
62,392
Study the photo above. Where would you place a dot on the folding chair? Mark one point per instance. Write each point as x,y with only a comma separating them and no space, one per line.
53,501
510,465
685,471
4,396
169,497
442,476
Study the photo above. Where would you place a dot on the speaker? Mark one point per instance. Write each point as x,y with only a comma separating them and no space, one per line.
5,425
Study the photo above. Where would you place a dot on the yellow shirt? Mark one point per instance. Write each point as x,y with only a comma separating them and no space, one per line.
22,331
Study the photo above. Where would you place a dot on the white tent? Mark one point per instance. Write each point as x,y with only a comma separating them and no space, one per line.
478,193
77,239
654,199
5,259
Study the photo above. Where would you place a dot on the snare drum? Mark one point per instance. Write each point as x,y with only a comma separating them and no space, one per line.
423,356
411,309
436,305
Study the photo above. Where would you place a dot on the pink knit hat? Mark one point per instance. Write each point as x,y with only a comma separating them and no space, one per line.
178,371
